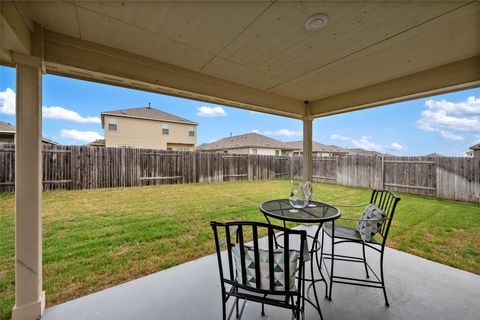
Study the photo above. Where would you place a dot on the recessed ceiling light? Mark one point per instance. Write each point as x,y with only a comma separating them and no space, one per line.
316,22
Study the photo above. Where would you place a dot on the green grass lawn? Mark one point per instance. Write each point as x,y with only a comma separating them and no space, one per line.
95,239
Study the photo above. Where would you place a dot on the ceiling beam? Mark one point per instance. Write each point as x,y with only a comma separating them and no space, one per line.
73,57
15,30
455,76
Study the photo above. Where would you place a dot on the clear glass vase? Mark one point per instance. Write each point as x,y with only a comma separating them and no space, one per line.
298,197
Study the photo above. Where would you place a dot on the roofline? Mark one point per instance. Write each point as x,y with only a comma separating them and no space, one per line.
4,131
475,147
50,141
147,118
247,146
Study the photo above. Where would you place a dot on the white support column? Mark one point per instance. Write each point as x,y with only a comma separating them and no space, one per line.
29,296
307,149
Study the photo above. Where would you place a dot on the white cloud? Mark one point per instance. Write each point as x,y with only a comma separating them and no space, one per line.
469,106
447,135
7,106
59,113
7,101
281,132
210,112
339,137
365,143
86,136
396,146
449,118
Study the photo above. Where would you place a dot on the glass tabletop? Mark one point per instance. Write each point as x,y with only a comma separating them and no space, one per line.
314,212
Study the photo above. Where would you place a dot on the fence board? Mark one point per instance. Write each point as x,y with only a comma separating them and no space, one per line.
85,167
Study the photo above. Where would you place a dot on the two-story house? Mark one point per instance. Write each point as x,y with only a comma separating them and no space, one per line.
7,134
148,128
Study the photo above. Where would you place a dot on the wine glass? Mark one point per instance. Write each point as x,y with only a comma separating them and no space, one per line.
293,199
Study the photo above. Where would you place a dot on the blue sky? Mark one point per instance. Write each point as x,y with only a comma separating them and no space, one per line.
446,124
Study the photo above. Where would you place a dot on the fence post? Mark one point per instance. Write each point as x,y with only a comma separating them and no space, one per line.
476,161
383,172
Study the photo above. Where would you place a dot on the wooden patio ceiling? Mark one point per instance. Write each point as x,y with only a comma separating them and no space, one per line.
256,55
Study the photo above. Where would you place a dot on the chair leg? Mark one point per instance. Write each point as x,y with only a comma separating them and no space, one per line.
263,309
321,263
383,280
237,315
224,309
365,260
333,259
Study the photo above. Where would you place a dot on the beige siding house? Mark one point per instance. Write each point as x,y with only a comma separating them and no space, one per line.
148,128
250,143
7,134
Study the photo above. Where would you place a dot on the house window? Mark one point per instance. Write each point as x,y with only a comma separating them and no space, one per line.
254,151
277,152
6,139
112,124
169,149
225,151
191,131
165,129
284,153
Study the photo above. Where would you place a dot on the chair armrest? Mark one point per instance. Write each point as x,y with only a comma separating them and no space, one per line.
350,206
355,219
232,232
306,252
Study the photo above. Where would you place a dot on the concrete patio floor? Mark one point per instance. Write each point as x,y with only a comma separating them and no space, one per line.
417,289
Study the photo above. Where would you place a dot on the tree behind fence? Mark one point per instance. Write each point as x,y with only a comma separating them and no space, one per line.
85,167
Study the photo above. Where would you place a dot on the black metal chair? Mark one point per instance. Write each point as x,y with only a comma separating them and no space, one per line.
384,200
234,282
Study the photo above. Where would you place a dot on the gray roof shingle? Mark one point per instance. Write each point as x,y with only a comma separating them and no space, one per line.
149,113
6,127
317,147
475,147
248,140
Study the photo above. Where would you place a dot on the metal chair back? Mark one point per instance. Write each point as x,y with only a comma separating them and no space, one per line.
386,201
240,231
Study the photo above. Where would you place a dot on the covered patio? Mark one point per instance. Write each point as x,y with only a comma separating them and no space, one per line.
419,289
296,59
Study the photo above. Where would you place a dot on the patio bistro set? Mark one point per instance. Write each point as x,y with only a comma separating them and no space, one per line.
272,271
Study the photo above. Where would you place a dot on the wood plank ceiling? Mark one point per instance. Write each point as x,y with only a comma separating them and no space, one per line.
264,45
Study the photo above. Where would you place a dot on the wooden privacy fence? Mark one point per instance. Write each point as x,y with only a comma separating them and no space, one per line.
85,167
455,178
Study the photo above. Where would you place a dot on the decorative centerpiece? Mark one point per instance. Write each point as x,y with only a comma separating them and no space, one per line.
299,195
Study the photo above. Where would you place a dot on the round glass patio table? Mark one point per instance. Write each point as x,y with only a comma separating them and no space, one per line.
315,213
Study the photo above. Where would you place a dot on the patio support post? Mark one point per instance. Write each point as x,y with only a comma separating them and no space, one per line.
307,149
29,296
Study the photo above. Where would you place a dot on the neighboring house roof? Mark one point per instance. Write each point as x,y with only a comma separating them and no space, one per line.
317,147
363,152
45,140
434,155
148,113
97,143
249,140
6,127
475,147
